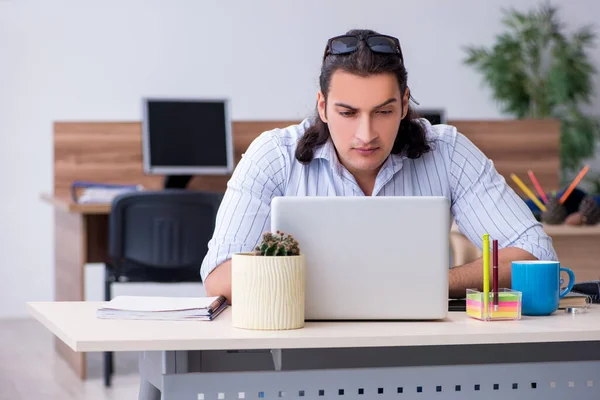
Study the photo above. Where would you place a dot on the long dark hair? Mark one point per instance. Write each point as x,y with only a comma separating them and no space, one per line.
411,139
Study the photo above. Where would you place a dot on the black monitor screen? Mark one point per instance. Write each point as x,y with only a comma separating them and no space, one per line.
186,133
435,117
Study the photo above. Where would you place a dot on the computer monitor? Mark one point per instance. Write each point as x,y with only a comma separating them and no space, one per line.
184,137
433,115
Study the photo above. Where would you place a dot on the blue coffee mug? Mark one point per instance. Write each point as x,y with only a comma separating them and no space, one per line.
539,283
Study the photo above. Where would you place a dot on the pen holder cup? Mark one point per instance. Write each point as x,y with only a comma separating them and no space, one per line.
508,307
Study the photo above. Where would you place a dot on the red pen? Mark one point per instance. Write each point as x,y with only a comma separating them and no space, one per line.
495,273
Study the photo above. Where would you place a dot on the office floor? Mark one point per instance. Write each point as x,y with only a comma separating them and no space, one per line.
30,369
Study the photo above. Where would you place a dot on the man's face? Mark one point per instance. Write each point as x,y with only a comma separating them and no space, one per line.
363,115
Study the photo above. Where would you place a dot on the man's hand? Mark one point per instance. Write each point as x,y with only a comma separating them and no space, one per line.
218,282
470,276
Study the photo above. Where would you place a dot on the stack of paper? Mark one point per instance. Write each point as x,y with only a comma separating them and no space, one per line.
163,308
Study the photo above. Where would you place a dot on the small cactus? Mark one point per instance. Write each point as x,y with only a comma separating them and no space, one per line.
277,244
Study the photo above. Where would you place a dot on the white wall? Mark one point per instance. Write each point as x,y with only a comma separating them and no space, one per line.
72,60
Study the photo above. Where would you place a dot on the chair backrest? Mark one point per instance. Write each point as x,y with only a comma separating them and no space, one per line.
162,229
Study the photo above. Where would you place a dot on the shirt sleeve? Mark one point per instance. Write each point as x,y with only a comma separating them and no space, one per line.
244,213
482,202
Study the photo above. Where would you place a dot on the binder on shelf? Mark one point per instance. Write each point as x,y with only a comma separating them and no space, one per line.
85,192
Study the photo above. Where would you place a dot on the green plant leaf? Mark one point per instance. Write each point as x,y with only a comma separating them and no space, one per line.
593,182
579,138
502,69
536,71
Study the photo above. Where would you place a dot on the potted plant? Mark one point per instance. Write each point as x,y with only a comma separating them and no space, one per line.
537,71
268,285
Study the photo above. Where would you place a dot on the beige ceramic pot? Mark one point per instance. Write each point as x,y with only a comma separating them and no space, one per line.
268,292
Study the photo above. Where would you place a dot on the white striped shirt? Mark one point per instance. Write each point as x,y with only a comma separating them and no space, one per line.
481,201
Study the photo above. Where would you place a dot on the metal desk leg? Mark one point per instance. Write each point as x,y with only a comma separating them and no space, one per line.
148,391
154,367
151,365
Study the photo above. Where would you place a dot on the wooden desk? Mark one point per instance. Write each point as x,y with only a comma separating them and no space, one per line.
80,237
207,360
67,205
76,324
111,152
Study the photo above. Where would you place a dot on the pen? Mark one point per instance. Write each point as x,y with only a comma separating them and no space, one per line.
486,272
495,272
537,186
528,192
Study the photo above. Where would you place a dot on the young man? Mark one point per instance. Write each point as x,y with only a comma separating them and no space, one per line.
366,141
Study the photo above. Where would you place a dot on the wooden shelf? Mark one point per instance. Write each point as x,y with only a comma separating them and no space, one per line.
561,230
570,230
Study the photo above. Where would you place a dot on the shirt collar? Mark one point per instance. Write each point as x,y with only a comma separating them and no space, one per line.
326,151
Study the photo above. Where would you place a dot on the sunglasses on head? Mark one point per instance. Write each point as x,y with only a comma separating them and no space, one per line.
346,44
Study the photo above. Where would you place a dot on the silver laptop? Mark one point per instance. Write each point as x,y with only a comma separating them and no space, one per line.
370,258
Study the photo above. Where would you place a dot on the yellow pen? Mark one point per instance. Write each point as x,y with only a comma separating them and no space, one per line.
486,272
528,192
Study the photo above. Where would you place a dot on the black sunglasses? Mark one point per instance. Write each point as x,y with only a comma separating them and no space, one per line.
346,44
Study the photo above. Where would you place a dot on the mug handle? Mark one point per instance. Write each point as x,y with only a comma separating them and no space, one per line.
571,282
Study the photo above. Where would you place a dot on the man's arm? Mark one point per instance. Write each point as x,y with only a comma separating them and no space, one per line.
483,203
218,283
470,276
244,213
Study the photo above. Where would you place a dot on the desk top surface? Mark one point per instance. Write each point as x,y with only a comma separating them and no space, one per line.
76,324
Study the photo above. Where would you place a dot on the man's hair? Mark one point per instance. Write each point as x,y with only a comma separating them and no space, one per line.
411,139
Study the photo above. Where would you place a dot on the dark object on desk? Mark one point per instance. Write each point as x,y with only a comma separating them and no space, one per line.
457,305
158,236
434,115
571,204
590,210
555,213
589,288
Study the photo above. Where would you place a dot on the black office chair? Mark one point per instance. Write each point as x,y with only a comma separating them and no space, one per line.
157,236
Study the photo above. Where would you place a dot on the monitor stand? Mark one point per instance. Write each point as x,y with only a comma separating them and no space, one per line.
177,181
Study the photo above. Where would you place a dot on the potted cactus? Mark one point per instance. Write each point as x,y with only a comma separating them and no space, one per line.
268,285
277,245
